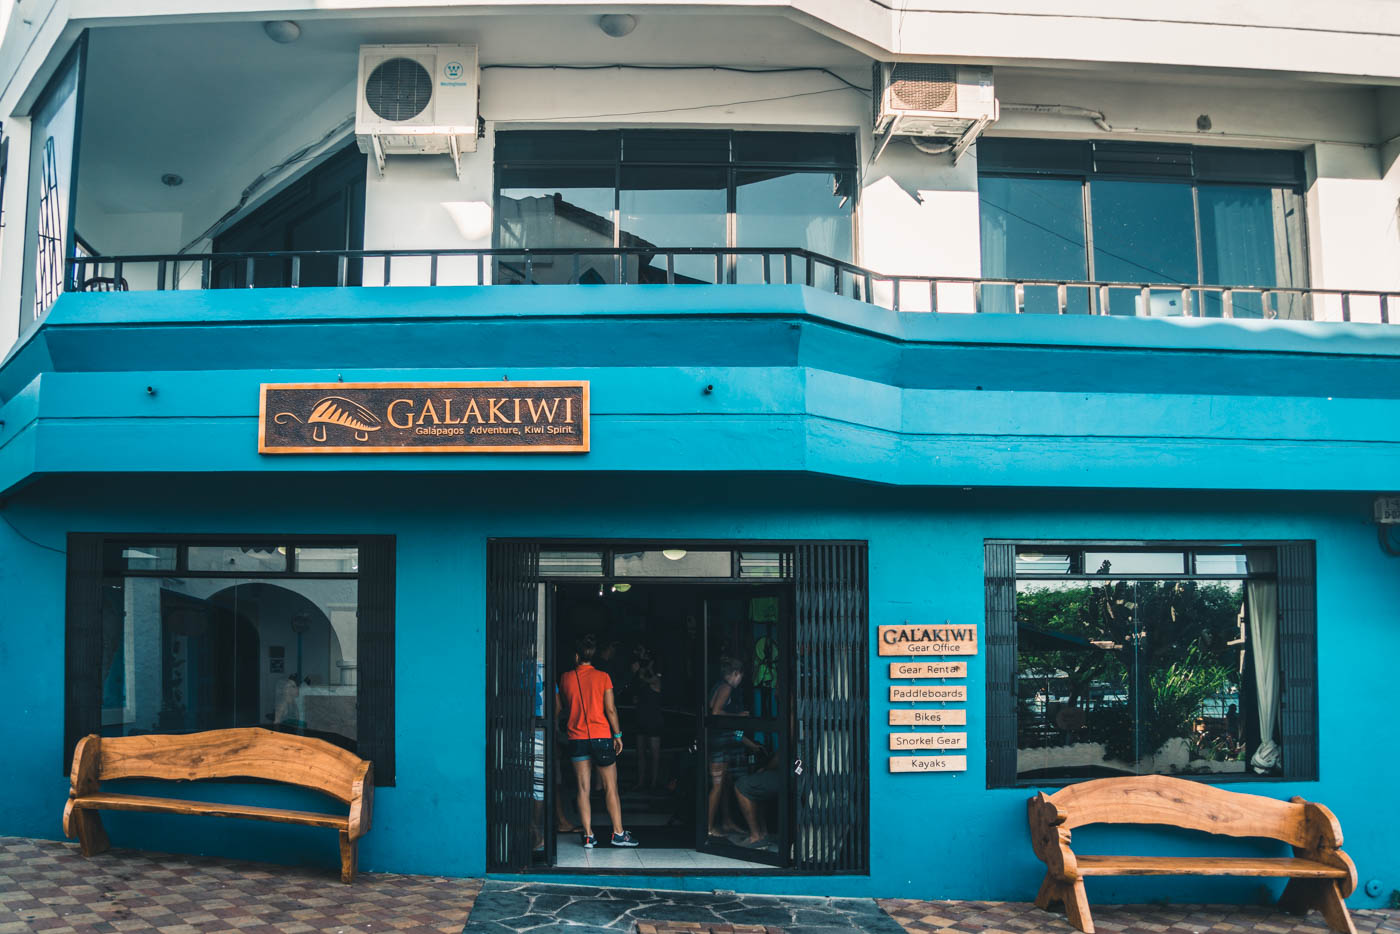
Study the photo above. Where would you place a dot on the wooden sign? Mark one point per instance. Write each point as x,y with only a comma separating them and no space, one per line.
900,741
926,693
390,418
945,716
928,763
928,640
928,669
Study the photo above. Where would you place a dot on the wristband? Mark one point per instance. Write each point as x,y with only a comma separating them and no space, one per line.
617,736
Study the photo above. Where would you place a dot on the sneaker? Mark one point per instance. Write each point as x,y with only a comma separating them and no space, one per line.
624,839
589,841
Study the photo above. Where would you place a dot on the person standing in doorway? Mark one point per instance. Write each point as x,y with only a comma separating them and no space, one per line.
595,738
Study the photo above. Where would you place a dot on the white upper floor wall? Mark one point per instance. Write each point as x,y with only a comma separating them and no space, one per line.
197,89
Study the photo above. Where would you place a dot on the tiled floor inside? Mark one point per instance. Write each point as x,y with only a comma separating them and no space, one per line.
572,855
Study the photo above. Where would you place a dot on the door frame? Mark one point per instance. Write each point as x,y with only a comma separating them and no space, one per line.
793,554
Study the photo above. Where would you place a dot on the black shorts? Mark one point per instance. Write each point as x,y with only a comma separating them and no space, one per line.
599,750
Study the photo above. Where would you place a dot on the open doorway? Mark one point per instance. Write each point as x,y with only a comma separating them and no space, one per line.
700,682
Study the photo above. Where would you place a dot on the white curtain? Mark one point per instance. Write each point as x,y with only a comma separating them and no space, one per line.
1261,601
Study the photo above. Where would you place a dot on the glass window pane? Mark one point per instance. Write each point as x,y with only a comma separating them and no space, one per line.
47,204
837,150
761,564
571,564
672,562
149,557
190,653
1221,564
673,207
556,208
1143,232
1035,561
334,560
558,146
1134,562
1033,228
794,210
1245,240
238,557
708,146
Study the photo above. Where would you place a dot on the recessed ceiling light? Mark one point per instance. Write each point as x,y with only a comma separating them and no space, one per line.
171,180
282,30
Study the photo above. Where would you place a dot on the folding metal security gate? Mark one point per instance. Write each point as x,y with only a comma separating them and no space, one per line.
832,815
512,618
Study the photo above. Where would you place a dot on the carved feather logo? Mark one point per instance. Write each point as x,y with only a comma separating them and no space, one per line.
336,410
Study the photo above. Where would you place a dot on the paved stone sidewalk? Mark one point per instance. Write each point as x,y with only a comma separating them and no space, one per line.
511,907
923,917
46,887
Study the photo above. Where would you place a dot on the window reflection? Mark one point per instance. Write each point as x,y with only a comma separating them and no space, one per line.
562,207
674,206
1033,228
1143,232
810,210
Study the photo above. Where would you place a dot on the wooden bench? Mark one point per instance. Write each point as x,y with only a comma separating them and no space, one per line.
1320,874
237,753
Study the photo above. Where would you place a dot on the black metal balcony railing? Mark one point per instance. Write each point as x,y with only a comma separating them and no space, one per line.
708,265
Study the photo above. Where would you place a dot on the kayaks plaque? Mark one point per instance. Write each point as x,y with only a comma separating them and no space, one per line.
383,418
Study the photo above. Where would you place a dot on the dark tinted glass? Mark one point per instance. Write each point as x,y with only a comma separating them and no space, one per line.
558,145
675,146
807,210
1033,228
1143,232
1243,237
827,149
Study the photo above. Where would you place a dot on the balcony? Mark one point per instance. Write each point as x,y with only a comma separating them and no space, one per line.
725,266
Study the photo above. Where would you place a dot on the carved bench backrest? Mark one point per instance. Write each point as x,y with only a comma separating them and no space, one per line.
1159,799
237,753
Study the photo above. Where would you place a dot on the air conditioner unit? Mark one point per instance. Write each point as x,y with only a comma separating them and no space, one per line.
417,100
948,102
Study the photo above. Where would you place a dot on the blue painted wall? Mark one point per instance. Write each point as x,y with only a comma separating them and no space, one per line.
932,835
923,434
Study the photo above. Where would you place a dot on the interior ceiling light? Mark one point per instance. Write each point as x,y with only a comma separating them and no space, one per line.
674,554
282,30
617,25
171,180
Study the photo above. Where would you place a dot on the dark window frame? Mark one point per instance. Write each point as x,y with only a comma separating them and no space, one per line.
1198,166
734,166
1297,589
87,571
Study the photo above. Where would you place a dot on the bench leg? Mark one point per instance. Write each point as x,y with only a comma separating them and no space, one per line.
1301,895
1077,907
1049,893
349,857
92,838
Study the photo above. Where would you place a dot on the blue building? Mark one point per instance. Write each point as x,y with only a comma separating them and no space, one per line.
992,445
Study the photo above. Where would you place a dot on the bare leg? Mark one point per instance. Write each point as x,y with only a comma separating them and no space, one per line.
609,774
717,770
751,817
583,771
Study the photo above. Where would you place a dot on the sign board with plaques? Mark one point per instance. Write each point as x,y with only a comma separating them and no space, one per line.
423,418
928,669
926,693
947,716
905,741
928,763
947,639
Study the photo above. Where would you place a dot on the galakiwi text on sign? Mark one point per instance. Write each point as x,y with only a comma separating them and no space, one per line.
381,418
928,640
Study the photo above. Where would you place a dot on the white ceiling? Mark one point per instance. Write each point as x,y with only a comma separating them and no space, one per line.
198,99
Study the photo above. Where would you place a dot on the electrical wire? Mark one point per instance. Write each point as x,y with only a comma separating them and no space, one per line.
667,110
6,520
735,68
